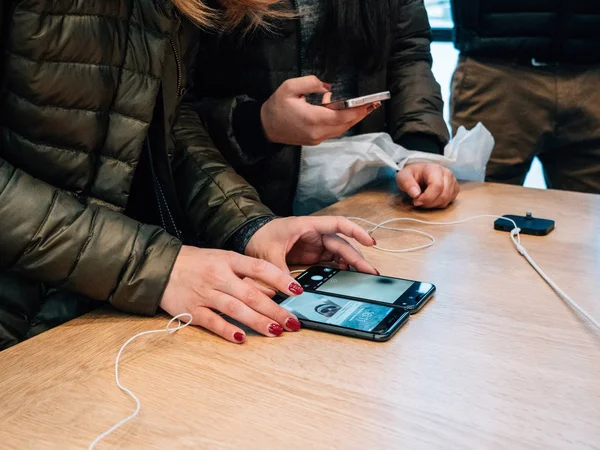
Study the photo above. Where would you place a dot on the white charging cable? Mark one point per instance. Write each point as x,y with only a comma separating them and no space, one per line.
138,405
515,236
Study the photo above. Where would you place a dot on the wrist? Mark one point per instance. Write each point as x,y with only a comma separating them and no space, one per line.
240,242
256,244
249,120
264,123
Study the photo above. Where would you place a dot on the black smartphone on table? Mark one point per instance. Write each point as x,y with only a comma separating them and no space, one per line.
396,292
345,316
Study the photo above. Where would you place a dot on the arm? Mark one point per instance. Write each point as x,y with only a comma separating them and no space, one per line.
216,200
246,131
235,126
415,112
48,236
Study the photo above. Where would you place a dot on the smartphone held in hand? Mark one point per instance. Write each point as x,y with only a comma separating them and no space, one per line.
358,101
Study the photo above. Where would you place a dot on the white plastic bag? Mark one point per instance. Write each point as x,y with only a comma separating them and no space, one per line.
339,168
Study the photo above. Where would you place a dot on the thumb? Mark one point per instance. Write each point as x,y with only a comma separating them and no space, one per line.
408,183
306,85
279,260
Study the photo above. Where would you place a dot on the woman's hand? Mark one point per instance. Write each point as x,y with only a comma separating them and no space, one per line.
311,240
204,281
288,118
429,185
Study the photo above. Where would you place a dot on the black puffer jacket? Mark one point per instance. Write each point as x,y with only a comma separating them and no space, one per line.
545,30
92,90
245,71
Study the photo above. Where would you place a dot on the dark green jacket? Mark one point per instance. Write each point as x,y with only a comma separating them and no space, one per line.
564,31
85,83
246,71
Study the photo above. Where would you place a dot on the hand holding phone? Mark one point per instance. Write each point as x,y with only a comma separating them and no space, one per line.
357,101
287,118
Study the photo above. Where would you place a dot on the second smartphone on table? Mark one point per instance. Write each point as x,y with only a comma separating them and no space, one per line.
407,294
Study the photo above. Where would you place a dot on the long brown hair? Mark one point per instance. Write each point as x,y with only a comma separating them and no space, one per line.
356,32
230,14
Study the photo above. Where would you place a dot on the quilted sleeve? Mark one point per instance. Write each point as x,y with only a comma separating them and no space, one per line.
48,236
216,199
416,107
235,125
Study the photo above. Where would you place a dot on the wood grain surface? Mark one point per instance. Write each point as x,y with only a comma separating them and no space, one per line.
495,361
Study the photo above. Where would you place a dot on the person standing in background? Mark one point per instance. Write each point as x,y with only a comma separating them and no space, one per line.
529,71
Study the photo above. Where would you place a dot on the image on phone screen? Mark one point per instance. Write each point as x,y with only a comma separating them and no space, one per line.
337,311
397,292
354,284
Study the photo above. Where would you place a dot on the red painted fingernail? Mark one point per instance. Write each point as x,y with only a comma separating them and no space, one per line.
374,241
295,288
239,337
370,109
275,329
327,86
293,324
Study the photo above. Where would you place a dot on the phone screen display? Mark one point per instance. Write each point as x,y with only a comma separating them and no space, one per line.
369,287
337,311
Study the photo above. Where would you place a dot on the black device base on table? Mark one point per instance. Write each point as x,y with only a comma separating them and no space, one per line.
528,225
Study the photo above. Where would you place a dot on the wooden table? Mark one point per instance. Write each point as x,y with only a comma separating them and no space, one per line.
495,361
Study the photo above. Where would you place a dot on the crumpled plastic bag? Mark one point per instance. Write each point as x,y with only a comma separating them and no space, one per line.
340,168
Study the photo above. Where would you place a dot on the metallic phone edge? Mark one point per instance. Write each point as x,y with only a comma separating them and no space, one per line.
415,310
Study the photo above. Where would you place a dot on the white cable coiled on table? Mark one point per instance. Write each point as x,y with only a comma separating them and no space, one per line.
138,405
515,236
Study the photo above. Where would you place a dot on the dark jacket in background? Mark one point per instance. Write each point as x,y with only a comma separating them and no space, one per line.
236,75
87,86
529,70
545,30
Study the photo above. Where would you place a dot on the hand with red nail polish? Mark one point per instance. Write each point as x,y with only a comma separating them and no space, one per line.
287,118
204,281
310,240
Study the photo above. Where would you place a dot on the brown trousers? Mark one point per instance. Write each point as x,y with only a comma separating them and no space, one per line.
549,111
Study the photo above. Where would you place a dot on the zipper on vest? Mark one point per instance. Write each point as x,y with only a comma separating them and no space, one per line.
180,90
161,200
